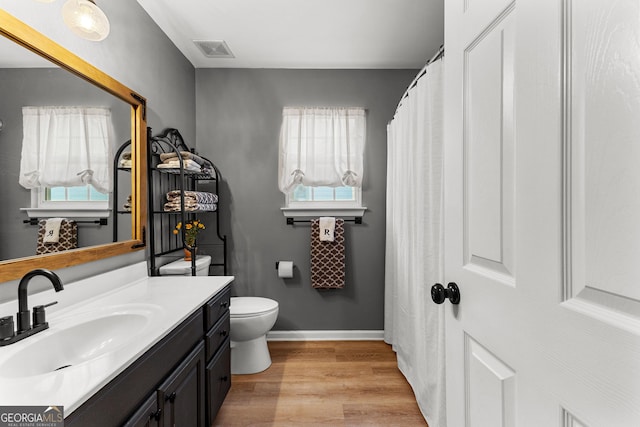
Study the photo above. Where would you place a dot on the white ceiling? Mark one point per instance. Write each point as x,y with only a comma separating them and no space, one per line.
346,34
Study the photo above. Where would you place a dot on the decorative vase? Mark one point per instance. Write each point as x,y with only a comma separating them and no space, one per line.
187,253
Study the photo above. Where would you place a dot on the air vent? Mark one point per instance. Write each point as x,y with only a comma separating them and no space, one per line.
214,48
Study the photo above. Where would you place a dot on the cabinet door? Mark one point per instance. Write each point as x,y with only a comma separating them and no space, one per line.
148,415
182,394
218,380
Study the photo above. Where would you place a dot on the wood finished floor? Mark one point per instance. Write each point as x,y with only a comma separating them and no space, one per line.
323,383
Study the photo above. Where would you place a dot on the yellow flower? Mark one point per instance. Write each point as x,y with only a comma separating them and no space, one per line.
191,229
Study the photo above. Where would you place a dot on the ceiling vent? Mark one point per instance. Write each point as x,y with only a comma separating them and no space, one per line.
214,48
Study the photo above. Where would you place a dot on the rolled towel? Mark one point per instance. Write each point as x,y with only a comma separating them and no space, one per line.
52,230
327,228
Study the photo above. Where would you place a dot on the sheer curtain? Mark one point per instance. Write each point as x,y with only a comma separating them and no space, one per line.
321,147
414,325
66,147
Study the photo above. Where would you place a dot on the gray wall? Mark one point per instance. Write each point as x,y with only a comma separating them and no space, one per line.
138,54
238,123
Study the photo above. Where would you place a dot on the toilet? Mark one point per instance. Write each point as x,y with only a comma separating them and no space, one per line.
251,319
183,268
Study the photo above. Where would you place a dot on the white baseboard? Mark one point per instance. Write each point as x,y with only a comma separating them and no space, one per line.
325,336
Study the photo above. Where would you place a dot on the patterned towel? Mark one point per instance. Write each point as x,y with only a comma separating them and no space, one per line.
189,206
195,196
67,237
327,258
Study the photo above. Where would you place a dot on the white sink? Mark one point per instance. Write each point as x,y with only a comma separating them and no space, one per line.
76,339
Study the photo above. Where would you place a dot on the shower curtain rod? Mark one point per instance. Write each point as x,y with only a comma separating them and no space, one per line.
439,54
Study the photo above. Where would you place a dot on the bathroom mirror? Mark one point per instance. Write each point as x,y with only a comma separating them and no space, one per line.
131,105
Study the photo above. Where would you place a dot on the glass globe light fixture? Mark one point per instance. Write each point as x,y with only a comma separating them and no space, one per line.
86,19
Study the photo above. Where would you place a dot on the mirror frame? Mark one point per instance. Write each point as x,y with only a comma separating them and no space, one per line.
21,33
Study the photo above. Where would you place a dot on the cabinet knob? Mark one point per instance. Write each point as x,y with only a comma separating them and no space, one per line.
172,397
223,333
224,379
224,304
156,415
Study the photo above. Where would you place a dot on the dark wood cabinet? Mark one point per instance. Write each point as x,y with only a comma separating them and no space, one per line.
218,377
182,395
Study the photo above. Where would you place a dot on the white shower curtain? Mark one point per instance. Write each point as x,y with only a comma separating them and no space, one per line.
414,325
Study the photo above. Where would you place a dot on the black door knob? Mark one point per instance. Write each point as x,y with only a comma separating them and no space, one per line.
439,293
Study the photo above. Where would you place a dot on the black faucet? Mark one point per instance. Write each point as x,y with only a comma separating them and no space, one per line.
24,328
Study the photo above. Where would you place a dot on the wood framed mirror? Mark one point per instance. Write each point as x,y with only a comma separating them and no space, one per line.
25,36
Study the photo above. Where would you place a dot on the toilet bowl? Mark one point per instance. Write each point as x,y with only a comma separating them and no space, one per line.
183,268
251,319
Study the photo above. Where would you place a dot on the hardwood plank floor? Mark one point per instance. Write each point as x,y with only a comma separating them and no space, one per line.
323,383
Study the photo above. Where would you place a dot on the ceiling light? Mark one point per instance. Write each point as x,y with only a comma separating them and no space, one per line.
86,19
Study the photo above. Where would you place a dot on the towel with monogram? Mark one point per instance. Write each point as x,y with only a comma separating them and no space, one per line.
67,236
327,257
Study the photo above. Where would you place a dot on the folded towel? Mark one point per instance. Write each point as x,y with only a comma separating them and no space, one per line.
197,196
186,155
52,230
327,228
127,204
172,159
189,165
189,206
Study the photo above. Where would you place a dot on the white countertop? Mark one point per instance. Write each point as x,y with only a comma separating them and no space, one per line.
167,300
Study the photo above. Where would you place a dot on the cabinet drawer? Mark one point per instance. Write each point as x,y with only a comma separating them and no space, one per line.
216,307
216,336
218,381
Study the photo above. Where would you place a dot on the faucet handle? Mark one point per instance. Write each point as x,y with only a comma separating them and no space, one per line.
6,328
39,317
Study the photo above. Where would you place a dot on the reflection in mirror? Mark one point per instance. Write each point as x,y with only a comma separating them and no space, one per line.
21,87
27,79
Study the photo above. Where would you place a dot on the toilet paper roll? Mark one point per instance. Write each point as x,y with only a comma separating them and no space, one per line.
285,269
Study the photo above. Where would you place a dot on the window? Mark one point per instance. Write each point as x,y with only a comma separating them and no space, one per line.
66,160
321,160
74,194
79,201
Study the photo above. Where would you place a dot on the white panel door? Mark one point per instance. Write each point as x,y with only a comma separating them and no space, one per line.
542,212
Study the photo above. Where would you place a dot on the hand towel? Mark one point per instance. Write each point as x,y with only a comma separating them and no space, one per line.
327,258
327,228
52,230
67,237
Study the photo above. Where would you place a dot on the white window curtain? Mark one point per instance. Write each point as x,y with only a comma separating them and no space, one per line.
66,147
414,261
321,147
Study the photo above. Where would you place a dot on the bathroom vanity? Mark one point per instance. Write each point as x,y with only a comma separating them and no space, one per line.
145,351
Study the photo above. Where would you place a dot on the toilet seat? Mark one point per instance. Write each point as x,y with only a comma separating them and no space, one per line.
251,306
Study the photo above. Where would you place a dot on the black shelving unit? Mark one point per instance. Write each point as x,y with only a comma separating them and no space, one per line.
164,246
119,191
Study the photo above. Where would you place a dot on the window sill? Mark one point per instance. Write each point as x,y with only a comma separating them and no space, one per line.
66,213
314,212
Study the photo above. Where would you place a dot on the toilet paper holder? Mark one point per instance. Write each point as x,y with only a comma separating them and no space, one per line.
284,269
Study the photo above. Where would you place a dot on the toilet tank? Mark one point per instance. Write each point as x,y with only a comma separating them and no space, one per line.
183,268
